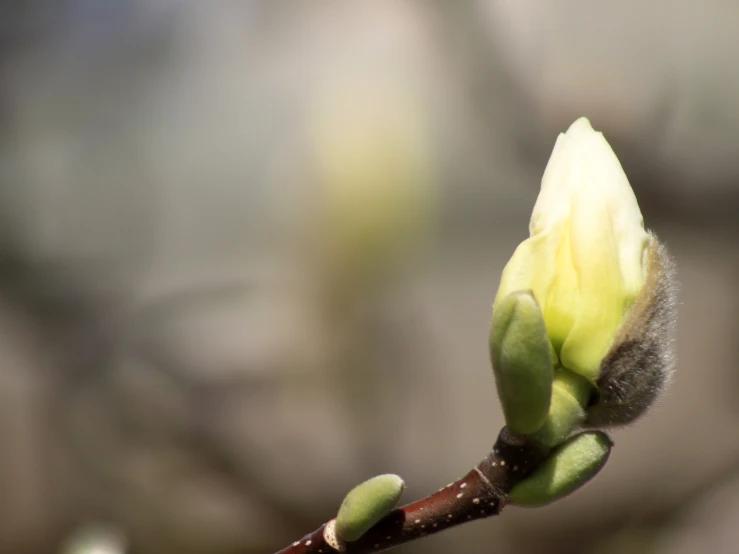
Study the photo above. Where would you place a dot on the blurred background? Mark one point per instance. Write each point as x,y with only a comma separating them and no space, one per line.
248,252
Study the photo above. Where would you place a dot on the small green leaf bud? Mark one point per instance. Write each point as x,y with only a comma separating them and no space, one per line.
568,467
522,361
366,504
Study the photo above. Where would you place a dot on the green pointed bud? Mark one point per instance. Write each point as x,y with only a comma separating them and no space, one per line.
522,361
568,467
366,504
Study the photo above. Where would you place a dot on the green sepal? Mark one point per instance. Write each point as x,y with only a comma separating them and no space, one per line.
366,504
568,467
522,361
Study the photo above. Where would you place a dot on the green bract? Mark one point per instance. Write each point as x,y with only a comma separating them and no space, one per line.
568,467
522,361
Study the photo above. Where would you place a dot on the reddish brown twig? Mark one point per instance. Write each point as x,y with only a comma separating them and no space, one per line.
479,494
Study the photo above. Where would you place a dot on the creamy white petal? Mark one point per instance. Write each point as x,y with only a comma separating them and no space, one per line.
584,258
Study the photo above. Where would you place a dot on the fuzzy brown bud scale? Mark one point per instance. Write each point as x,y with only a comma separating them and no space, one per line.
638,367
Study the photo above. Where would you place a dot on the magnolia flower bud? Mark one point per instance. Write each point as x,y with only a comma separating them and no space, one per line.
604,285
584,260
372,156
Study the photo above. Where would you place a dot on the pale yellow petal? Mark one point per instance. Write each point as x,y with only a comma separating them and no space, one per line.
532,267
600,307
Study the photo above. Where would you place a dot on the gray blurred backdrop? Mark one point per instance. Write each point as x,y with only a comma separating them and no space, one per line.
248,252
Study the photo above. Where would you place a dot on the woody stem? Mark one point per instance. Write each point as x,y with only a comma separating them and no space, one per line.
479,494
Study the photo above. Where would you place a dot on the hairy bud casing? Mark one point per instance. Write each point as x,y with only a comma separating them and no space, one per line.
638,366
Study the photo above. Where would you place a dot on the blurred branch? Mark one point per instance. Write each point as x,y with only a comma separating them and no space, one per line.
480,494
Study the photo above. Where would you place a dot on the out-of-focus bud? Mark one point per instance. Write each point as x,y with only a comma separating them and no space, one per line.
95,539
522,361
585,258
373,162
366,504
568,467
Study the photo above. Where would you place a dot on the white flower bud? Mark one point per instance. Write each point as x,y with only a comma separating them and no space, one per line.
584,260
605,286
